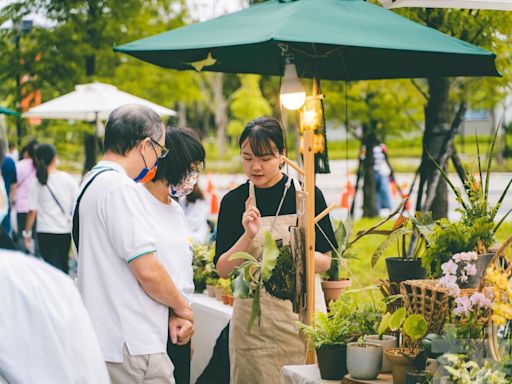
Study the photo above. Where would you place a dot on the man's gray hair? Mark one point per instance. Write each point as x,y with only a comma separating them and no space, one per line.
129,124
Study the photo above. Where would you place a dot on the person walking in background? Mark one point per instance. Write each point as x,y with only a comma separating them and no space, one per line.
125,287
196,211
382,172
51,199
10,180
26,174
176,176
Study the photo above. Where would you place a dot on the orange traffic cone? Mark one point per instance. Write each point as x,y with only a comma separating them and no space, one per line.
344,203
214,204
350,187
394,188
407,203
210,187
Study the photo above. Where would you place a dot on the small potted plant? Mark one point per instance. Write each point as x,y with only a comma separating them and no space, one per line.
364,360
461,370
329,334
386,341
412,237
405,359
211,282
220,287
200,261
335,283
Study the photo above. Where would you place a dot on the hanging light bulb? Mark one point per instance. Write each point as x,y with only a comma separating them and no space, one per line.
292,94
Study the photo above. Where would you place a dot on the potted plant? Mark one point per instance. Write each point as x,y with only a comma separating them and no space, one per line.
386,341
461,370
477,225
211,282
220,287
227,297
405,359
412,237
329,334
335,283
200,261
364,360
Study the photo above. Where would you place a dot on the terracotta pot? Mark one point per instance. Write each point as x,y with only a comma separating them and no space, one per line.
211,290
387,343
401,364
218,293
332,361
332,289
231,300
225,299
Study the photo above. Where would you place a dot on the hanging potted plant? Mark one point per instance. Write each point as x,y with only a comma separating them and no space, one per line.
411,235
405,359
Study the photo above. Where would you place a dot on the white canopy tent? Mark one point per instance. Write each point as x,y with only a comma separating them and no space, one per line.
91,102
502,5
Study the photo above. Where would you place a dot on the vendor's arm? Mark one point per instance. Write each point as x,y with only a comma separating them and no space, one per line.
322,261
251,222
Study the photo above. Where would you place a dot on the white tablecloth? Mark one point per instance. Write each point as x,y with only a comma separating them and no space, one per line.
211,316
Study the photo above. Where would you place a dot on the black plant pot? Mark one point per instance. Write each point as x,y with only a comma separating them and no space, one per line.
404,269
332,361
418,377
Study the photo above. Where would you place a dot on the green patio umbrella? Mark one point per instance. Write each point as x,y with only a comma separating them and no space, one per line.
331,39
7,111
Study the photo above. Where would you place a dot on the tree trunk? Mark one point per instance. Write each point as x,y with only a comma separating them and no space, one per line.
220,110
182,114
437,127
369,186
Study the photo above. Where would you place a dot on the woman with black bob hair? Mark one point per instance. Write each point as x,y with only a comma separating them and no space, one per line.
51,199
176,176
266,202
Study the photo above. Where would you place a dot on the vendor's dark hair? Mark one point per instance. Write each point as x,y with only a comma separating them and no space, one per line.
45,153
129,124
261,133
185,149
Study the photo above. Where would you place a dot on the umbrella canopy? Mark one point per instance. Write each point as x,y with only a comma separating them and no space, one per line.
498,5
90,102
7,111
333,39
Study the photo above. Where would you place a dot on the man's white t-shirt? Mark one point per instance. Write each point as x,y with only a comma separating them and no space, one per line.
173,241
45,333
114,230
50,217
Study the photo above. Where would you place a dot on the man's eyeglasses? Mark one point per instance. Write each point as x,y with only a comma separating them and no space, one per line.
163,150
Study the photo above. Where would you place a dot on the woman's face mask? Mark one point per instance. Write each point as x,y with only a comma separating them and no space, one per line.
186,186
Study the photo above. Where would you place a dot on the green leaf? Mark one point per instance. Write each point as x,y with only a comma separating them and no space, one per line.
396,320
242,256
270,254
386,243
241,287
384,324
255,309
415,326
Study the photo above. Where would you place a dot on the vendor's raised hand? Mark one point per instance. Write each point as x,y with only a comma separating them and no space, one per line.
251,219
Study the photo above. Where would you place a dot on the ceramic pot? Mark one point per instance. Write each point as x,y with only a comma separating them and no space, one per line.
481,265
387,342
332,361
404,269
364,362
333,289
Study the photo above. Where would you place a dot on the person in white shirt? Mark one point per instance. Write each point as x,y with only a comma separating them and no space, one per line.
196,211
46,335
176,176
51,199
124,284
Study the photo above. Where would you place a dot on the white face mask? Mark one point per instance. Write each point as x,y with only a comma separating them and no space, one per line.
186,186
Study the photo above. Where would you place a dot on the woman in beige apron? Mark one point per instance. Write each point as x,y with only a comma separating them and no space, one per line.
274,341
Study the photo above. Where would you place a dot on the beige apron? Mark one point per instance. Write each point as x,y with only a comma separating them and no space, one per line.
259,356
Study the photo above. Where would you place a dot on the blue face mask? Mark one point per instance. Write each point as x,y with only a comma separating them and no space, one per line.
146,174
